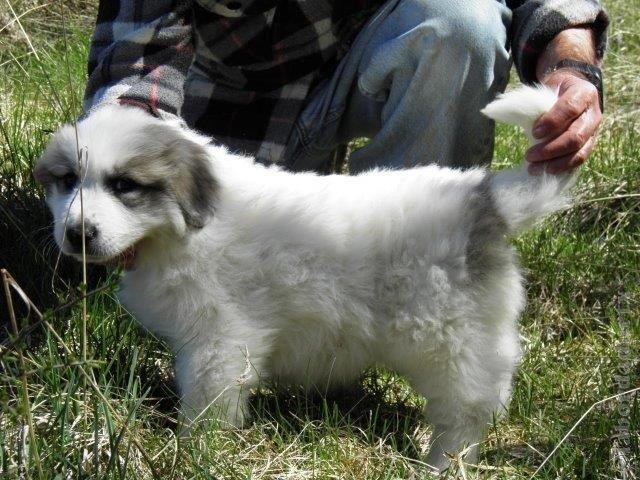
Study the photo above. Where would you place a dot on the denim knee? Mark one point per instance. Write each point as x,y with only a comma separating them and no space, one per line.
460,37
477,27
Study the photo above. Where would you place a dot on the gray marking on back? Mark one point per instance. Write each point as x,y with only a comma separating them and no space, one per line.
487,249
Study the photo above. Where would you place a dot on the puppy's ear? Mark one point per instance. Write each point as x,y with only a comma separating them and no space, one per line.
186,168
194,185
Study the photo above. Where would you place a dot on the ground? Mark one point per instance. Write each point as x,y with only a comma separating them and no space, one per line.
100,402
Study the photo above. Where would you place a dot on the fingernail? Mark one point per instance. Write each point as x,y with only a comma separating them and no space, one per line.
533,154
540,132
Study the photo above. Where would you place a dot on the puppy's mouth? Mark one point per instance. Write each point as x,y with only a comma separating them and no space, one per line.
127,258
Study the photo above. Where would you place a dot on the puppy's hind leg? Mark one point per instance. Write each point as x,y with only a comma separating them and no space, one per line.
463,393
455,427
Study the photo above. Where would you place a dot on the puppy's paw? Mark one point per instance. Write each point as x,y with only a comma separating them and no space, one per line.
211,417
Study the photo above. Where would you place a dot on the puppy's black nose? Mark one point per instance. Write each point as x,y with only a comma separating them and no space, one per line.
74,235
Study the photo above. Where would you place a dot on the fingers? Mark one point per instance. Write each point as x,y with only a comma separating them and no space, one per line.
570,105
563,162
570,141
569,128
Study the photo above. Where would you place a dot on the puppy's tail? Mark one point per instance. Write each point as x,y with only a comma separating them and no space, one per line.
521,198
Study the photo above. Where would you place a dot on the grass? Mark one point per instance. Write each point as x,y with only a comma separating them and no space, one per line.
114,415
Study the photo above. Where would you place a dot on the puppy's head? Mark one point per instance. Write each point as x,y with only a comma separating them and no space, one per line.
141,179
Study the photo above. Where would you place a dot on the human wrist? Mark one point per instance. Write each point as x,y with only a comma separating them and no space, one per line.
571,44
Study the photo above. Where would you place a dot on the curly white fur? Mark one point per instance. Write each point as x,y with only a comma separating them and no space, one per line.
253,272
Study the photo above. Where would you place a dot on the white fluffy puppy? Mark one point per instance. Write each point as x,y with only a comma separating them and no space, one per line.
253,272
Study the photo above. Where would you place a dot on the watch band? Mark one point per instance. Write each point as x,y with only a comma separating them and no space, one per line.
591,73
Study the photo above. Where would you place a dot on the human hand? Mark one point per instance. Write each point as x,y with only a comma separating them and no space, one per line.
569,128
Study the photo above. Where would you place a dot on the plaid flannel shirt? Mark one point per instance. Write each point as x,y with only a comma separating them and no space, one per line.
241,70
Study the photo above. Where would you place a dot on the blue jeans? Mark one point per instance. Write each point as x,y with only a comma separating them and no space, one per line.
414,82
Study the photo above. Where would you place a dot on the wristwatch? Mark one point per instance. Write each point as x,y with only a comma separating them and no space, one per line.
591,73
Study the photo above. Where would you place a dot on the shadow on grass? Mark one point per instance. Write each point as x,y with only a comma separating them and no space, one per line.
366,410
32,258
375,409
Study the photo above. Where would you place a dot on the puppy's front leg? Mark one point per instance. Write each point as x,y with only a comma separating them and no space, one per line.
215,381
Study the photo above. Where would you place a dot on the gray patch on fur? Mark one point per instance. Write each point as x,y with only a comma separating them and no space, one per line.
149,168
179,167
195,187
145,198
55,162
487,250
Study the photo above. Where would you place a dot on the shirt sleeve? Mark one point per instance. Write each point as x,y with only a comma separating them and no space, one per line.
536,22
140,51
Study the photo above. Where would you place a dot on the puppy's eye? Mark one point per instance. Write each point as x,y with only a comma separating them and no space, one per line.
68,181
124,185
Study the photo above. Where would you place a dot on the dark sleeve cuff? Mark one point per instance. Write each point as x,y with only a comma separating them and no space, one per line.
535,24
